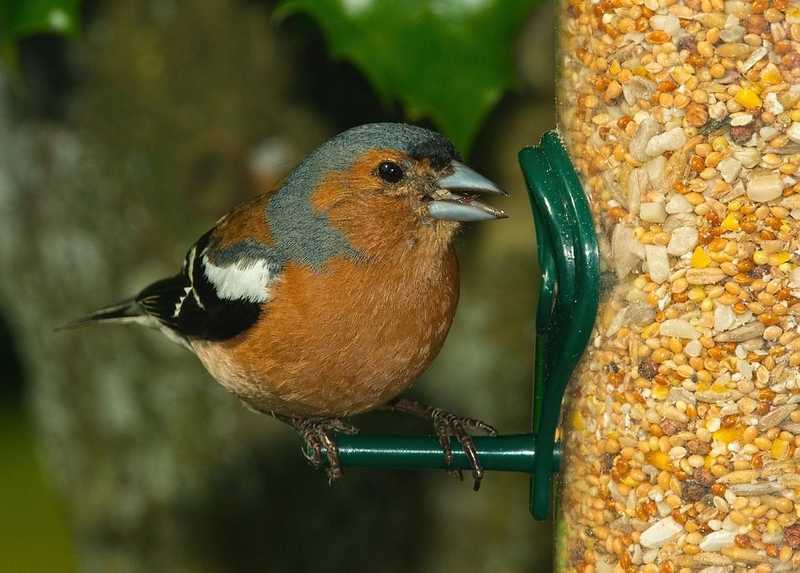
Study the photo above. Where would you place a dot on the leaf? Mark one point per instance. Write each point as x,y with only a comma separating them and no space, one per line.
24,17
450,60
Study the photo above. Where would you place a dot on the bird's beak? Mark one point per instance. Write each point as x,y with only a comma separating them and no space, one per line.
454,199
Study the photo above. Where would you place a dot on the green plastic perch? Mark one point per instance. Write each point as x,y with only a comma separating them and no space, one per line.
568,299
508,453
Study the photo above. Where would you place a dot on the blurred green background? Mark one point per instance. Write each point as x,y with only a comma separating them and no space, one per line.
124,140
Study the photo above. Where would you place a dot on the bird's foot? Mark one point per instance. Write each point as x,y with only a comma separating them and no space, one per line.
448,425
316,434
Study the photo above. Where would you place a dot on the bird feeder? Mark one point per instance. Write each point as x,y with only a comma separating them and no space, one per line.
681,437
568,299
680,441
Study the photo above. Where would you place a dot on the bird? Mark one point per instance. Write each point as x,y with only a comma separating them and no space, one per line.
329,295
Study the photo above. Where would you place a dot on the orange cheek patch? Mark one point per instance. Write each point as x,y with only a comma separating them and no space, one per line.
371,220
332,189
358,178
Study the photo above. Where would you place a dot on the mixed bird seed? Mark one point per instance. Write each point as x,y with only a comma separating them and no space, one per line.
682,429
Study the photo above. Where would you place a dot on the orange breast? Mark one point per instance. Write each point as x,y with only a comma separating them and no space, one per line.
343,340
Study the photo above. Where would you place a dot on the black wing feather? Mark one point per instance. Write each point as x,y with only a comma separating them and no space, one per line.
188,303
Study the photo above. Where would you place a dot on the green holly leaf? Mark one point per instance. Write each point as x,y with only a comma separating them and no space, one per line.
449,60
24,17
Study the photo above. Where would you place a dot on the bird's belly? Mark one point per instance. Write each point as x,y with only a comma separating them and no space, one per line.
332,359
357,370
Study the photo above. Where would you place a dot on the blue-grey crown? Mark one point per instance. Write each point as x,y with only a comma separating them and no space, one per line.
339,152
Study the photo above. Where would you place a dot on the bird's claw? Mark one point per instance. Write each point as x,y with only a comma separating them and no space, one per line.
446,426
316,435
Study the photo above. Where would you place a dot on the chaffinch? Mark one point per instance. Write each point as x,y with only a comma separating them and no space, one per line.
328,296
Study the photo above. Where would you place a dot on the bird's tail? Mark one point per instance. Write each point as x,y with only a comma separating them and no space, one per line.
127,311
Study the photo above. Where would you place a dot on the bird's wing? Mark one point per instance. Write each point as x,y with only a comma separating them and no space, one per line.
220,290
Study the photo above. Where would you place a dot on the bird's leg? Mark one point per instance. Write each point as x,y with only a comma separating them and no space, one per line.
446,426
316,434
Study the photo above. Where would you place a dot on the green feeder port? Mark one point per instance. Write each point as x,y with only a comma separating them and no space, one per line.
568,300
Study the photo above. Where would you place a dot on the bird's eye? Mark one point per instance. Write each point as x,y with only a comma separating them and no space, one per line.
390,171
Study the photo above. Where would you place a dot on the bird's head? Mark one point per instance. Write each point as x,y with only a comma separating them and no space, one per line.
390,181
